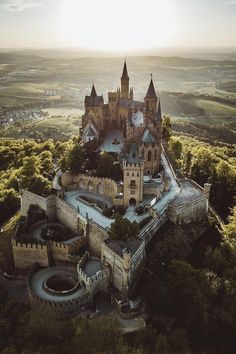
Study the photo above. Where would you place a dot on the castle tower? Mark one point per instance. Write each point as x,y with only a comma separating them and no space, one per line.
151,98
133,168
93,109
150,150
125,82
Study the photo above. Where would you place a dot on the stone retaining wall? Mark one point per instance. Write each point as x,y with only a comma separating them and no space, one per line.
105,186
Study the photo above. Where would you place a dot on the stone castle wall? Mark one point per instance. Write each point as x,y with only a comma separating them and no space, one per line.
54,207
67,214
115,262
29,198
25,255
96,236
104,186
186,213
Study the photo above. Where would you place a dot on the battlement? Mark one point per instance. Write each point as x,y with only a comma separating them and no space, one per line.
104,273
28,245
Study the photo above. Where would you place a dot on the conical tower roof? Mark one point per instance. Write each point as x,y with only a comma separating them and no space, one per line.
93,92
151,90
125,72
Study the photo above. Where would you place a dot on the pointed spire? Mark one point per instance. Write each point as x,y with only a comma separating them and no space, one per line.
125,72
158,114
93,92
151,90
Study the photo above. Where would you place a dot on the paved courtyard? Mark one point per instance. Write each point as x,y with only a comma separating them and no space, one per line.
112,136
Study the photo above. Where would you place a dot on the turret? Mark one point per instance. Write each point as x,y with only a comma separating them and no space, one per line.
93,92
131,94
126,259
125,82
151,98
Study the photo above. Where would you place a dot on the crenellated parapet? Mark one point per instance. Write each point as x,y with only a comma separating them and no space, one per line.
100,185
100,280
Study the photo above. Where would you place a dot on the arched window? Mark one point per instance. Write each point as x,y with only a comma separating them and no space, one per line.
150,155
143,154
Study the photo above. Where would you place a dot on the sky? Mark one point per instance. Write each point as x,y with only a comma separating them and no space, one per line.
117,25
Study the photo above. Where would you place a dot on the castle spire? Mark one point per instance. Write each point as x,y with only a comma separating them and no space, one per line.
125,72
125,82
151,90
93,91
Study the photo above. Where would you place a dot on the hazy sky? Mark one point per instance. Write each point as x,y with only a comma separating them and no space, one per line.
117,25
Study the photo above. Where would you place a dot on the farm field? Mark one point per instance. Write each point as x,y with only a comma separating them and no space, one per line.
216,108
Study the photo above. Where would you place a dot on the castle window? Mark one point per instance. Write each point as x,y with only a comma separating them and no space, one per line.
149,155
138,174
127,173
132,182
132,174
155,154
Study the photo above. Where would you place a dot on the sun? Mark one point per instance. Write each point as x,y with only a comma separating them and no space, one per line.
118,25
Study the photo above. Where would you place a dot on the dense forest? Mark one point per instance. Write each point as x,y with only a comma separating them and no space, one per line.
192,301
192,305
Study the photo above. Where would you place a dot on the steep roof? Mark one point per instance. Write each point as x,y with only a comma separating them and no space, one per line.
147,137
93,100
151,91
124,102
93,92
125,72
90,132
158,114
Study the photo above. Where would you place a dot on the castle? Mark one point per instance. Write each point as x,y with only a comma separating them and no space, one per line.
69,231
140,124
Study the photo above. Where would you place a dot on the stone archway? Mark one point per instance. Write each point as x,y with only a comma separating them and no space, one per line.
132,202
90,186
81,184
100,188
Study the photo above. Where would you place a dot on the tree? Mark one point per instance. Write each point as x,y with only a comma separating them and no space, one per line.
9,204
175,148
109,167
39,185
91,154
229,231
123,229
31,166
166,129
75,159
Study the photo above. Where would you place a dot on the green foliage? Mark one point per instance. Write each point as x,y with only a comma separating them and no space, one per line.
166,128
207,163
175,147
91,155
122,229
9,203
229,231
109,167
6,255
75,159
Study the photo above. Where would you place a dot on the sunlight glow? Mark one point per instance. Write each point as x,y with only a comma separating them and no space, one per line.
121,25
